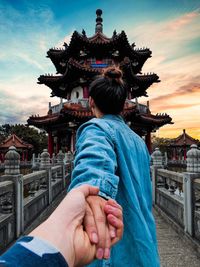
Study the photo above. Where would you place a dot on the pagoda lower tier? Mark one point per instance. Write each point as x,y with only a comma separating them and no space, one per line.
62,124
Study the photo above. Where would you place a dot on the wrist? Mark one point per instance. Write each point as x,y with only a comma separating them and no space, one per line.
58,236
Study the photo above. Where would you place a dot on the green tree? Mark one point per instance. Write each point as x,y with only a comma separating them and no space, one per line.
27,134
161,142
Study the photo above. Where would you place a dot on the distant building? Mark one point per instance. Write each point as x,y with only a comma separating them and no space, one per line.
13,140
77,65
179,146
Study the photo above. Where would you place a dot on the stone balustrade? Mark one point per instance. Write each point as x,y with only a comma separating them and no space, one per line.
23,198
178,194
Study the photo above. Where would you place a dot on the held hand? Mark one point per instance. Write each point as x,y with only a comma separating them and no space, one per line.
101,221
85,251
62,228
96,226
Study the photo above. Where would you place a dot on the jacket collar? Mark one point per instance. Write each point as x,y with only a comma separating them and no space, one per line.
112,117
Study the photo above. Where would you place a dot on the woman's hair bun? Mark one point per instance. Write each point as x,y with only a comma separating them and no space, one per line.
113,73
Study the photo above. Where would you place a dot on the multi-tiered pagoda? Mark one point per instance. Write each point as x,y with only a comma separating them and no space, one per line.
77,65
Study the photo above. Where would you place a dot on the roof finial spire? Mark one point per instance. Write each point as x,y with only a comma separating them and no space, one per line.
99,20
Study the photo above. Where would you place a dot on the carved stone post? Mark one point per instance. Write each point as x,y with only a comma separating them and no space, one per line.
34,166
193,157
60,157
12,173
45,164
53,159
60,161
157,160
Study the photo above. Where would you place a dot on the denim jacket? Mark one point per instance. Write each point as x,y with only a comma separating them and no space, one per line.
114,158
31,251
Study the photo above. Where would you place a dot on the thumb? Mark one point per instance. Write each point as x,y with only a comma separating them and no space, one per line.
87,190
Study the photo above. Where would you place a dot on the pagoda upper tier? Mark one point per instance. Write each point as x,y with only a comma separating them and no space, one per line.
80,62
116,47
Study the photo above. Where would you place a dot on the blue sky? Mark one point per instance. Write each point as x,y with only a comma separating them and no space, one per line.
171,29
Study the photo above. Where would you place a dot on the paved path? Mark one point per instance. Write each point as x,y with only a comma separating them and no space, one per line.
175,251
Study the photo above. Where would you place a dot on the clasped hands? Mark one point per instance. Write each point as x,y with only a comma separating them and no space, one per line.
83,227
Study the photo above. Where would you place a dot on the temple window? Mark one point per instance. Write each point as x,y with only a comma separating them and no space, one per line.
77,93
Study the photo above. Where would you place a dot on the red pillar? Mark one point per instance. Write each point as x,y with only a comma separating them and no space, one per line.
50,143
148,141
85,92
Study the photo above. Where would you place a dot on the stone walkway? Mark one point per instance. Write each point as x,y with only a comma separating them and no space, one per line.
175,251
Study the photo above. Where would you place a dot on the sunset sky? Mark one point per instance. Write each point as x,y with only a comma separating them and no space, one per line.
170,28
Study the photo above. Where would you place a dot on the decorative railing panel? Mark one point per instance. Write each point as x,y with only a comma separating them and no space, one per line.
169,194
196,206
34,182
7,219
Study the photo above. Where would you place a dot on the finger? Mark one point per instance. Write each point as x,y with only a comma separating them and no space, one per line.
107,244
90,225
118,224
116,211
113,203
88,190
100,220
112,231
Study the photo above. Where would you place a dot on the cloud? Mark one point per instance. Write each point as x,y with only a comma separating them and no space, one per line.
176,60
182,21
25,39
187,89
17,108
171,42
66,40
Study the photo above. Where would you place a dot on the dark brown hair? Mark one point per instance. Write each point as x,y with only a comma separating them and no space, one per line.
108,91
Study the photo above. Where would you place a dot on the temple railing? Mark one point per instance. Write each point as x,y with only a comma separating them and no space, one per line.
169,194
25,199
7,218
35,195
196,207
178,194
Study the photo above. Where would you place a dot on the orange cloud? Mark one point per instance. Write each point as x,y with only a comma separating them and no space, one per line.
187,89
182,21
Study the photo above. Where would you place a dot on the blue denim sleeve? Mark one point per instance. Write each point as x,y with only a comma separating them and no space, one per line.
30,252
95,161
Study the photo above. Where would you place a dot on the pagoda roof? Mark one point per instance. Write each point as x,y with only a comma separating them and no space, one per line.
14,140
184,139
158,120
76,112
61,84
98,44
